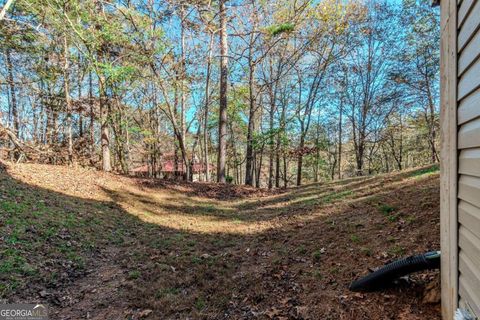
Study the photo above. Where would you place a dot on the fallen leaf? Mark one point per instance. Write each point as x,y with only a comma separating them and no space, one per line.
145,313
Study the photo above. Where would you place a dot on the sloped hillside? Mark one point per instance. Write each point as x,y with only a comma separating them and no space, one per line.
100,246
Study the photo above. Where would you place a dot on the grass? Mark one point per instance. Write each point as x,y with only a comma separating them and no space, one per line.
196,260
316,200
191,257
366,251
411,219
165,292
318,274
426,171
302,250
335,270
337,196
397,251
200,304
58,233
355,238
135,274
392,218
317,255
386,209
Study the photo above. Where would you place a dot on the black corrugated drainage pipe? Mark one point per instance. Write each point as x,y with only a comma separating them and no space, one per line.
385,275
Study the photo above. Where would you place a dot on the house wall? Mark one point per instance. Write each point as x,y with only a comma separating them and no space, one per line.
460,176
468,71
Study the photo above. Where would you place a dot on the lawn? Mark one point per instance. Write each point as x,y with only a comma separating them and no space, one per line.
101,246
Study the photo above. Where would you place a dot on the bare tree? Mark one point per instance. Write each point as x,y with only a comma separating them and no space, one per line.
222,123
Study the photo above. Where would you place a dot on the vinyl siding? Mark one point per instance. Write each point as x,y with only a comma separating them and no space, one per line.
468,117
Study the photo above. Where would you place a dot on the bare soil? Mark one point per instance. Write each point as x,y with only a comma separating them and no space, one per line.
100,246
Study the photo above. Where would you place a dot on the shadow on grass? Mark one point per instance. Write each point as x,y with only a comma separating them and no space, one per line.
297,201
52,242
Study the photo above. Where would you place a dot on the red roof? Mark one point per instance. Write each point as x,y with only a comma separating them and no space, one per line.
169,166
143,168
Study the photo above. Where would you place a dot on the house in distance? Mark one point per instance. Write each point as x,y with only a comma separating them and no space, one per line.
172,167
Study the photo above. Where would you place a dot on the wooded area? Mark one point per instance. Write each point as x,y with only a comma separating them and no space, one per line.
263,93
313,126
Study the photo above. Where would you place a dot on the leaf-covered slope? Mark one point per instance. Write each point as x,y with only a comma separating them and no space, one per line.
115,247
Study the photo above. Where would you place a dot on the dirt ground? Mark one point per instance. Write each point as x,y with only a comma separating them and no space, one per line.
100,246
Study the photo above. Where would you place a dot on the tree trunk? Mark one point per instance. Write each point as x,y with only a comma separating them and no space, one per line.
332,170
105,132
80,115
16,143
49,124
359,159
279,144
183,98
249,172
433,135
54,125
340,142
387,165
237,164
300,159
432,129
222,124
259,164
271,141
400,149
68,101
13,96
194,147
299,170
176,141
5,8
277,166
92,115
207,102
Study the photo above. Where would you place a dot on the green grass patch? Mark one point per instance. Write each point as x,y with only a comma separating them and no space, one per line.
411,219
386,209
161,243
46,234
12,206
200,304
165,292
335,270
366,251
355,238
135,274
302,250
430,170
337,196
316,255
392,218
397,251
317,274
391,239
